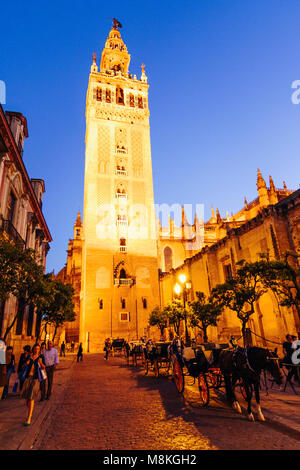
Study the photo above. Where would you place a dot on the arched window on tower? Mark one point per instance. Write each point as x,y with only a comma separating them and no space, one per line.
121,192
123,274
131,100
108,96
119,95
168,255
140,102
98,94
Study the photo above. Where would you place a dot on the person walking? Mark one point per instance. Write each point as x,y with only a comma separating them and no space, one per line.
287,349
51,361
31,386
23,359
288,352
107,348
63,349
10,369
3,376
44,373
72,347
80,353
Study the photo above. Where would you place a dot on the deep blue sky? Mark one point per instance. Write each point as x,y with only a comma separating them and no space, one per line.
220,74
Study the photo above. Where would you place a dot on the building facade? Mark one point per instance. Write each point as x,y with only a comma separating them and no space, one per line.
71,274
176,243
119,248
21,218
273,228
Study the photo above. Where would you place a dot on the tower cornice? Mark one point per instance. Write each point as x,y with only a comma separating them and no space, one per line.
122,79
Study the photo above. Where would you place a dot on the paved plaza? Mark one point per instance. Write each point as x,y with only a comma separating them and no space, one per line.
100,404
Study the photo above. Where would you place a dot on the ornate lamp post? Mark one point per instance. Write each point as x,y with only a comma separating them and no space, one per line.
184,286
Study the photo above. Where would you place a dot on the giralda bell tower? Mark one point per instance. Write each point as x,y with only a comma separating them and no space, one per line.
120,268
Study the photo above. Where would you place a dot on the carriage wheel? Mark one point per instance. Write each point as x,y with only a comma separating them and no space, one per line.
214,378
203,390
178,376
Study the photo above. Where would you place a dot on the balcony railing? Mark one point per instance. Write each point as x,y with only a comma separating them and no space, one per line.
123,282
121,151
123,249
7,227
121,172
121,196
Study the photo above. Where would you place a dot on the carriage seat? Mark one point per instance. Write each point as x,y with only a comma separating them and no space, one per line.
188,354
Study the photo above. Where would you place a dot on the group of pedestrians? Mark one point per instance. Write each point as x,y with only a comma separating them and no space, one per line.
35,373
289,347
72,347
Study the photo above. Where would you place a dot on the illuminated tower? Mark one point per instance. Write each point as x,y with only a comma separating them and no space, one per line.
120,270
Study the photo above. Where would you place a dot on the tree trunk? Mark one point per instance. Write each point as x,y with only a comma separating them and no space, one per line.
21,304
45,331
246,338
54,333
205,338
39,330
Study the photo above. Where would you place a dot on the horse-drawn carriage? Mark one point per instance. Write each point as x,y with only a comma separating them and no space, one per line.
197,362
134,351
157,357
117,346
216,366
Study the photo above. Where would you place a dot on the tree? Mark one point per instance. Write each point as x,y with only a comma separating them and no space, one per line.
55,303
176,313
241,292
159,317
20,276
283,279
9,255
205,312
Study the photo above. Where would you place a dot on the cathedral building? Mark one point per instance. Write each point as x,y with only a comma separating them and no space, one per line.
122,262
176,243
270,224
21,221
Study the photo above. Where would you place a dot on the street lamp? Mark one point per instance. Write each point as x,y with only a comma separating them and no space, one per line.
183,287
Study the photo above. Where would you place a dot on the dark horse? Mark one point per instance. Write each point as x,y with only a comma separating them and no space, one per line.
246,364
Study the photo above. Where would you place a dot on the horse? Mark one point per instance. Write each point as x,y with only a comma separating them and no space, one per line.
246,364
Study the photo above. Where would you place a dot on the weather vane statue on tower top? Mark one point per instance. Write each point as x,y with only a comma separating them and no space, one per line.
116,23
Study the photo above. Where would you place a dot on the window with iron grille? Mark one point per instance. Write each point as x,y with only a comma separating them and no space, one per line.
124,316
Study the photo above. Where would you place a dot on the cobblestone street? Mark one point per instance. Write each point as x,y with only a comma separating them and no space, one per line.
108,405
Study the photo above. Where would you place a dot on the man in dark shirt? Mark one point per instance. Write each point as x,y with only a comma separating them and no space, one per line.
287,350
63,349
10,368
